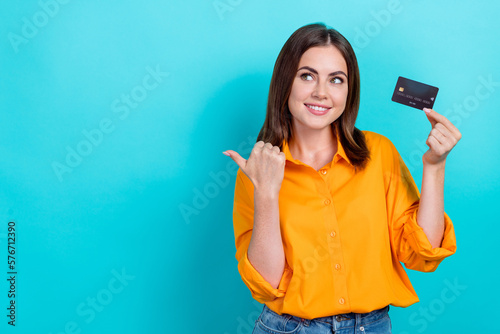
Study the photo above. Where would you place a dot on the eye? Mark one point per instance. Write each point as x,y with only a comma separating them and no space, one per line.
306,76
337,80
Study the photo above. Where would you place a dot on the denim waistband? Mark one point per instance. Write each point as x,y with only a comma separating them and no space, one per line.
359,318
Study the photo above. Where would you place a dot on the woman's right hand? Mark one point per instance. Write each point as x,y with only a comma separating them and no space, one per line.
265,167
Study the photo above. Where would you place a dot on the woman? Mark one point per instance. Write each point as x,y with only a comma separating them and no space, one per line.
324,213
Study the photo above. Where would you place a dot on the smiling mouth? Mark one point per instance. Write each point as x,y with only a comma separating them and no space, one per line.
317,108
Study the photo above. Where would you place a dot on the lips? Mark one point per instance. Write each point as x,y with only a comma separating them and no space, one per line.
316,109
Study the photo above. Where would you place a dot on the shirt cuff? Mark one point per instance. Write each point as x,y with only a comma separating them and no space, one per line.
420,244
261,289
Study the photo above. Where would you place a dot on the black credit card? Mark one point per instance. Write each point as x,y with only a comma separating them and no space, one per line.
414,94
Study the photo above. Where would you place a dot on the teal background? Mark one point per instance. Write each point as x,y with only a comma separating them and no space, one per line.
132,205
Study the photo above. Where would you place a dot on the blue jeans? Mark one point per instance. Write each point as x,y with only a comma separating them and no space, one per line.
375,322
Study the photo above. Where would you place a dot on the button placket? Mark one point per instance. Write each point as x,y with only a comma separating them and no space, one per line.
334,240
336,260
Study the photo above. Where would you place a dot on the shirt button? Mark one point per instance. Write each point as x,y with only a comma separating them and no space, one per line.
362,328
341,301
327,202
332,234
337,266
323,171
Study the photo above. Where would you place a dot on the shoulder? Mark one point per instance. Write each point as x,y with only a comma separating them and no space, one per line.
243,183
376,141
382,150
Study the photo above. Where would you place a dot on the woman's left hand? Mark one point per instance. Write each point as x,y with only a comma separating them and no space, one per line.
442,138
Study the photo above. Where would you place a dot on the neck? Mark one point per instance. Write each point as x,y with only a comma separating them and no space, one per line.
309,144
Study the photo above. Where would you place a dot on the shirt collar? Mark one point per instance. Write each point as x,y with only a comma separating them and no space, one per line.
339,155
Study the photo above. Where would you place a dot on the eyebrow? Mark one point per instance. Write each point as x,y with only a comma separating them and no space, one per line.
316,72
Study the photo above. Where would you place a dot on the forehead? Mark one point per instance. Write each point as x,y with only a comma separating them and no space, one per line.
325,59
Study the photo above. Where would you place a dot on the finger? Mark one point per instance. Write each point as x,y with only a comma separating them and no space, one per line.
435,117
436,148
241,162
276,149
283,158
449,137
431,119
452,135
439,136
268,146
432,142
259,144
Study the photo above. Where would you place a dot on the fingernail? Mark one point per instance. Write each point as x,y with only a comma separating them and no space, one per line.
427,110
225,153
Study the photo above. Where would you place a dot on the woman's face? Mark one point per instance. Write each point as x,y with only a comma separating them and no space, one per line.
319,89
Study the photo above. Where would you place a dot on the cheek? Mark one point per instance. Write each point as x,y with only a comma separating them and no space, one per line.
341,96
300,92
294,100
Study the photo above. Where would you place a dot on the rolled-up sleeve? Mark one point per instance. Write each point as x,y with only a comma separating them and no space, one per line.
408,239
243,213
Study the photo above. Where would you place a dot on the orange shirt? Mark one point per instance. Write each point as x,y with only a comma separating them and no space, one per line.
344,234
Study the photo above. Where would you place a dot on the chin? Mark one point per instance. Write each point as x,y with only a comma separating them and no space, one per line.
319,126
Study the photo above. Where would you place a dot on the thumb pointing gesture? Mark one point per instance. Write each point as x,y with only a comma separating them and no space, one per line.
265,167
241,162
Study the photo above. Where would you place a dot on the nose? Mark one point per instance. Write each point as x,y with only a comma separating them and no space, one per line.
319,91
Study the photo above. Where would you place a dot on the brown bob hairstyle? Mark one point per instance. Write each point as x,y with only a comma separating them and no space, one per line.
278,123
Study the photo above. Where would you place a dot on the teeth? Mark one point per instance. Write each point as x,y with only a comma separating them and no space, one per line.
316,108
